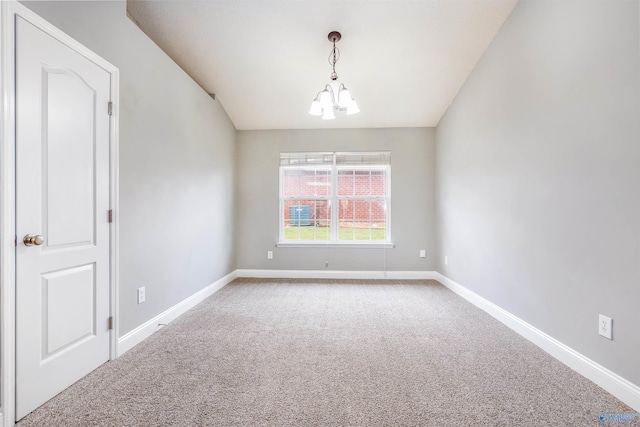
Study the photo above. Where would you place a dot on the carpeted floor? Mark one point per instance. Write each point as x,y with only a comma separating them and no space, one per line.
323,353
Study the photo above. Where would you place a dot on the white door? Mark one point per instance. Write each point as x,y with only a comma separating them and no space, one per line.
62,195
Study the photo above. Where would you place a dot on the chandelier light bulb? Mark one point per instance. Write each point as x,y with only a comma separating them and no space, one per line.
326,100
344,99
328,114
316,108
352,108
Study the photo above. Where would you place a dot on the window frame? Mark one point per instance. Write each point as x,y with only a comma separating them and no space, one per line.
334,199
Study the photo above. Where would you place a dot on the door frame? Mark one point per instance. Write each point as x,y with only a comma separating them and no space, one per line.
8,11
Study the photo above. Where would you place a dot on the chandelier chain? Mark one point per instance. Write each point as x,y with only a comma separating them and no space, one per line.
333,58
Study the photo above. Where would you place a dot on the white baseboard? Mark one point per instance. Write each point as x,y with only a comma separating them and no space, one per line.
336,274
621,388
129,340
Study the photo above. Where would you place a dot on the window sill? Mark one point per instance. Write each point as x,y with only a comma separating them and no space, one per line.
350,245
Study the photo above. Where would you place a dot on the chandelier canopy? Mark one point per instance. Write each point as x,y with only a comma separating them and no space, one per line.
334,98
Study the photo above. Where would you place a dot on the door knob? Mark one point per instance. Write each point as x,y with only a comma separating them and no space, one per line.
33,239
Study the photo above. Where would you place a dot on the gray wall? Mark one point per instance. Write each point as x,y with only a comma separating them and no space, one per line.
412,198
177,157
538,172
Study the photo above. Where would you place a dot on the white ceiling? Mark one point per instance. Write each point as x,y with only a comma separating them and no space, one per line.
403,60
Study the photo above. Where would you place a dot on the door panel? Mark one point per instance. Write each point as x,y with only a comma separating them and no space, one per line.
64,324
69,116
62,194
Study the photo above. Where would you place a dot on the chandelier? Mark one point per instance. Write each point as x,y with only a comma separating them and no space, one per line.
334,98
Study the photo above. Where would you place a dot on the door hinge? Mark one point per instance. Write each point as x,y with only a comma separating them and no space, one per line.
15,241
110,108
110,323
110,215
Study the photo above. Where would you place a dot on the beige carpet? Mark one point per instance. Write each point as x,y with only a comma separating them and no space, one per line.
321,353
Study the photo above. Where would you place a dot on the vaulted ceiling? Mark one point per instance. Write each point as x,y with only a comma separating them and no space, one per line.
404,61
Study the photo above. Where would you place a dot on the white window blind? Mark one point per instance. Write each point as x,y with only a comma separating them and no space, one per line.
336,158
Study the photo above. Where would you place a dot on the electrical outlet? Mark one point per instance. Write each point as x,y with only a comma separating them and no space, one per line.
141,295
269,254
605,325
446,260
423,253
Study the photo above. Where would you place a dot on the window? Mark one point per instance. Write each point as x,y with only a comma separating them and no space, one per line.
336,198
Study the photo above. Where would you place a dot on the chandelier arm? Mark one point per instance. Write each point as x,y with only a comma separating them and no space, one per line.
318,95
